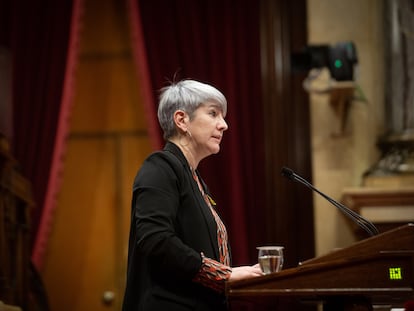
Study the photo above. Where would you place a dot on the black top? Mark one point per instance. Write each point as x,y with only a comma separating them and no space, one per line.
171,225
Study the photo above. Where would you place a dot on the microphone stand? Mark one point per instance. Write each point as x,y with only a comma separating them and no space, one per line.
365,224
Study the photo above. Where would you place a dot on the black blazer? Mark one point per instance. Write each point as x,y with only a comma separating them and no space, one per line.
170,226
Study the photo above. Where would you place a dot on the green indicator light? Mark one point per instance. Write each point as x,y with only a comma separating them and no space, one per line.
338,63
395,273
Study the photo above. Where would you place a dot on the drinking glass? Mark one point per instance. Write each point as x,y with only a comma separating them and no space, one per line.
270,258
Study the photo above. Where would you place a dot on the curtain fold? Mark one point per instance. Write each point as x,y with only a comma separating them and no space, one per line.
43,43
216,42
62,129
142,70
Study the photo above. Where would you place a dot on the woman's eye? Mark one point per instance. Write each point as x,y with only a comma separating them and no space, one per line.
213,113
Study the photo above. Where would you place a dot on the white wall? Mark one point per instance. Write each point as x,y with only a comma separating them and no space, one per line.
340,160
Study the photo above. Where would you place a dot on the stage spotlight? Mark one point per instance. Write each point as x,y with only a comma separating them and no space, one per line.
340,59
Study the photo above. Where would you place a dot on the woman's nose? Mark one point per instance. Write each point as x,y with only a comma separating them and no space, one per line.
223,124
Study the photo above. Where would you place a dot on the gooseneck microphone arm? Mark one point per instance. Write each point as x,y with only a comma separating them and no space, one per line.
362,222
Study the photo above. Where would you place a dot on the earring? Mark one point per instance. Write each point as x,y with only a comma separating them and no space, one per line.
185,138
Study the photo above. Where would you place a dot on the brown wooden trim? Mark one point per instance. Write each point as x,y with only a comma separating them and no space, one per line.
356,198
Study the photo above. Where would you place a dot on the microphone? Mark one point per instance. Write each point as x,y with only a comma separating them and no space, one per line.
355,217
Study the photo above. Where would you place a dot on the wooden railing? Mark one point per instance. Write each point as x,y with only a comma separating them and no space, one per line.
15,205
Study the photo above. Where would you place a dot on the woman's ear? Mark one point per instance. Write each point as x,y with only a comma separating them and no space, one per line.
181,120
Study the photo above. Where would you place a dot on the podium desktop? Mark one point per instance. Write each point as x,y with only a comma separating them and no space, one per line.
379,270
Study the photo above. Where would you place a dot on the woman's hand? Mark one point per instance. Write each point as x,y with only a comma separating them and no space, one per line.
245,272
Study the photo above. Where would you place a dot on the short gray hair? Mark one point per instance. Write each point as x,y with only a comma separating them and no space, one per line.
186,95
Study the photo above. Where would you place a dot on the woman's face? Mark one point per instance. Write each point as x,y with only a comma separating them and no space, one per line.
206,128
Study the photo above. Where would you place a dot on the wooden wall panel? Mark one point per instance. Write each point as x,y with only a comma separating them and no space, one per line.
81,245
133,149
105,27
107,97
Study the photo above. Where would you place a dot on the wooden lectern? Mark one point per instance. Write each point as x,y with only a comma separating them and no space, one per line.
378,270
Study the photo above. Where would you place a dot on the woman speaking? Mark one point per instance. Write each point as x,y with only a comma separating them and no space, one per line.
179,256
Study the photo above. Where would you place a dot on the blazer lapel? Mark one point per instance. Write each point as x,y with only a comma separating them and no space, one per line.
202,205
208,216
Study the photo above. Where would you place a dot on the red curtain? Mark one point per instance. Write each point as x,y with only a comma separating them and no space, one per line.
217,42
41,37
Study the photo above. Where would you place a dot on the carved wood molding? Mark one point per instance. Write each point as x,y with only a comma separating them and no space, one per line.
387,208
357,198
15,204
